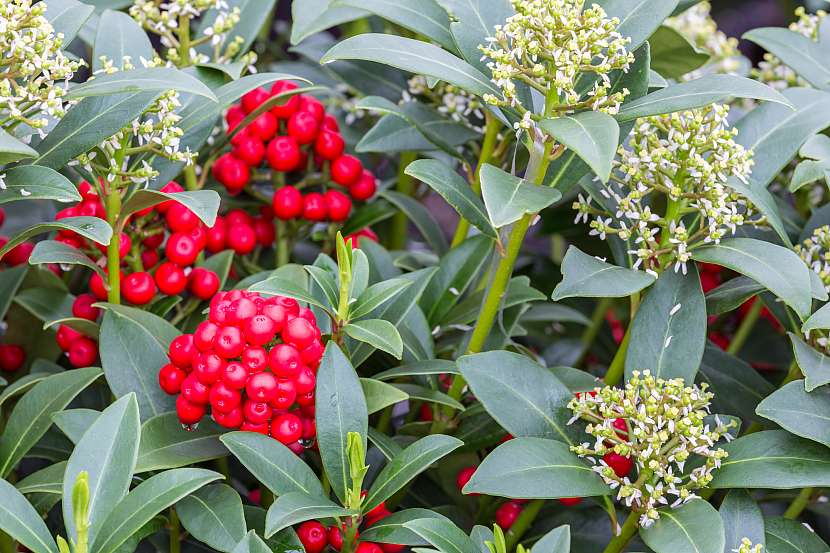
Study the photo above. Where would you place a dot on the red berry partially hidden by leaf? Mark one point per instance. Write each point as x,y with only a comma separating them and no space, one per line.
82,307
463,477
83,352
286,428
507,514
12,357
181,249
253,99
303,127
570,501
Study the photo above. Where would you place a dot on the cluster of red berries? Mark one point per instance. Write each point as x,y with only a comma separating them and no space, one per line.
241,232
294,137
254,363
315,537
19,254
12,356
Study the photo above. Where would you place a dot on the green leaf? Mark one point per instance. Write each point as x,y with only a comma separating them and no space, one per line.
804,414
314,16
220,263
92,228
585,276
74,422
340,409
819,320
296,507
46,480
814,365
378,333
380,395
442,534
119,36
87,124
67,17
39,370
392,529
252,543
731,294
52,251
386,445
421,218
698,93
773,459
165,444
695,527
742,518
413,127
534,468
133,347
424,17
150,79
407,465
107,452
279,286
33,182
32,415
508,198
791,536
422,393
737,386
273,464
12,149
672,55
420,368
455,190
592,135
638,18
376,295
804,55
149,498
779,269
473,22
327,282
669,330
10,281
203,203
557,540
21,522
213,515
414,56
525,398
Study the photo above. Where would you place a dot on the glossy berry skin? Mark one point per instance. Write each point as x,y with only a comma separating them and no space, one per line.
264,231
299,333
364,188
194,391
171,378
507,514
255,359
283,154
313,106
285,361
338,205
216,236
287,428
303,127
202,283
290,104
235,375
251,151
260,330
252,100
223,398
329,145
232,419
189,413
180,219
241,239
182,350
312,535
181,249
229,342
233,173
138,288
463,477
335,538
83,352
261,387
288,203
12,357
208,368
346,170
314,207
170,279
82,307
97,287
570,501
621,465
65,336
264,126
368,547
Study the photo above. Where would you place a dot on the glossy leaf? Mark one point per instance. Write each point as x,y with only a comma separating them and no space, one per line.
508,198
421,218
803,54
422,393
380,395
638,18
376,295
279,286
424,17
585,276
314,16
165,444
21,522
814,365
592,135
442,534
803,414
119,36
203,203
695,527
74,422
213,515
474,21
392,529
158,79
10,281
67,17
251,543
33,182
791,536
296,507
742,518
52,251
557,540
12,149
731,294
92,228
378,333
737,386
672,55
420,368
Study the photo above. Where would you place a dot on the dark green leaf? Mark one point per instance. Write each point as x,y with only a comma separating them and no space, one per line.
10,281
791,536
421,368
672,55
213,515
376,295
508,198
314,16
424,17
442,534
165,444
21,522
33,182
737,386
203,203
295,507
695,527
421,218
586,276
46,480
380,395
422,393
119,36
74,422
804,414
742,518
557,540
391,529
592,135
814,365
279,286
473,22
378,333
52,251
12,149
157,79
638,18
93,228
731,294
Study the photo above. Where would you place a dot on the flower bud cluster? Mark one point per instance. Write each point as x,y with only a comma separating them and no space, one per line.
665,427
547,45
461,106
31,64
687,157
747,547
815,251
772,71
697,25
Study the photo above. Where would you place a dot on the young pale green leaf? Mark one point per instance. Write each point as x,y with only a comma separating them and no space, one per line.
20,521
107,452
557,540
74,422
695,527
149,498
455,190
165,444
213,515
669,330
12,149
296,507
814,365
33,182
802,413
32,415
279,286
412,55
392,529
535,468
273,464
134,345
313,16
94,228
731,294
638,18
699,93
376,295
585,276
804,55
378,333
67,17
779,269
203,203
407,465
742,518
424,17
52,251
421,218
340,409
672,55
737,386
149,79
773,459
791,536
380,395
119,36
508,198
592,135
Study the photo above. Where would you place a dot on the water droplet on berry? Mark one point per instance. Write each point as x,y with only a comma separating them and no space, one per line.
306,443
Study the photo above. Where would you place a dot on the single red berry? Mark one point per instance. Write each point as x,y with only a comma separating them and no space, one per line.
507,514
309,428
368,547
303,127
312,535
235,375
314,207
335,538
238,217
392,547
205,335
241,239
286,428
188,412
97,286
182,350
170,278
289,104
346,170
253,99
181,249
216,236
154,240
259,330
180,219
464,476
283,154
82,307
378,513
264,231
622,428
312,354
87,191
313,106
306,381
232,419
83,352
329,145
261,387
264,126
202,283
234,174
208,367
263,428
229,342
286,394
285,361
288,203
255,359
330,123
570,501
251,151
12,357
256,412
621,465
306,400
149,258
223,398
65,336
19,254
338,205
194,391
138,288
220,312
364,188
171,378
234,115
242,309
299,333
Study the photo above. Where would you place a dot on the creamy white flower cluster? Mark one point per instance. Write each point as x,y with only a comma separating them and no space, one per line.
772,70
747,547
30,66
815,251
448,99
687,157
697,25
547,45
665,428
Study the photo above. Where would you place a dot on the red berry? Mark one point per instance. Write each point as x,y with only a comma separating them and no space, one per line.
253,99
171,187
255,359
313,106
314,207
251,150
303,127
233,419
286,428
188,412
305,381
621,465
364,188
346,170
570,501
194,391
264,126
263,428
259,330
124,245
12,357
149,258
329,145
86,191
507,514
261,387
286,395
216,236
299,333
153,241
283,154
97,286
138,288
82,307
312,535
622,428
368,547
330,123
234,115
223,398
290,104
292,308
203,283
235,375
264,231
19,254
288,203
338,205
464,476
208,367
182,350
233,173
256,412
170,278
66,336
171,378
229,342
83,352
242,309
312,354
241,239
335,538
180,219
205,335
181,249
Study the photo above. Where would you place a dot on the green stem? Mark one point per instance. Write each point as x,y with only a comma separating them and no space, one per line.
491,135
385,420
406,186
190,180
745,328
113,254
184,41
7,544
350,536
522,523
799,504
175,532
590,333
283,247
629,528
617,366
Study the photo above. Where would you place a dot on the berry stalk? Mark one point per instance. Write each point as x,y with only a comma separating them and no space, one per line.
113,254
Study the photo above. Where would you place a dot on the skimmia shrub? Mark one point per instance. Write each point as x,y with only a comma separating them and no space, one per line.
507,276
